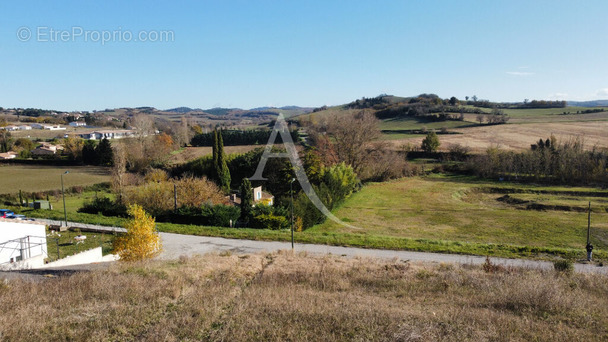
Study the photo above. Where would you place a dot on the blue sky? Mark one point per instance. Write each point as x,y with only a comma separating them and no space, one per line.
308,53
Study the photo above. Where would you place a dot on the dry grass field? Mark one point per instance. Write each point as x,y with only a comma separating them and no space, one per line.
519,136
282,297
32,178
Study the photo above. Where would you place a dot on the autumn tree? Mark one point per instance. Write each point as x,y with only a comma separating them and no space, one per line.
73,147
431,142
141,241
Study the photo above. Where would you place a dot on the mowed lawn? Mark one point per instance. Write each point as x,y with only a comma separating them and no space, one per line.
459,209
32,178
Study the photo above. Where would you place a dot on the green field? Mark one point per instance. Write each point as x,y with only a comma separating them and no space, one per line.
33,178
435,213
463,209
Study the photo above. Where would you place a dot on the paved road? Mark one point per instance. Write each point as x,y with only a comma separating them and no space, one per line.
175,245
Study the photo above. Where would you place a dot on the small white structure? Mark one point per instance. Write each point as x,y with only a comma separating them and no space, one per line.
77,124
25,127
54,128
109,134
22,244
11,128
8,155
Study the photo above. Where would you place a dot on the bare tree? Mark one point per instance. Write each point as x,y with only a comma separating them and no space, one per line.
348,136
143,124
119,170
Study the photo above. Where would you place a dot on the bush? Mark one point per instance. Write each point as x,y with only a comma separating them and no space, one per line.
269,221
104,206
141,241
564,266
208,215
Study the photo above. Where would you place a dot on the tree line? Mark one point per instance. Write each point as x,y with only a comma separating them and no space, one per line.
237,137
551,161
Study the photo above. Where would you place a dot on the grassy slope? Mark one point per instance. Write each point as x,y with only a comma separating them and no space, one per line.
282,297
451,208
31,178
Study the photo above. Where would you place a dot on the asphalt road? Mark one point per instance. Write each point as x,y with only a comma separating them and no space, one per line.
175,245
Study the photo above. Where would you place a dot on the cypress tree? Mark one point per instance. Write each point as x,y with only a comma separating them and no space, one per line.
214,149
222,167
246,200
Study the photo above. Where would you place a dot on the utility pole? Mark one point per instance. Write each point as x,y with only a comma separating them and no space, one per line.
291,192
589,246
175,197
65,213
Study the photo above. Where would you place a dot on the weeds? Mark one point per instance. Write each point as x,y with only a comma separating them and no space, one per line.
282,296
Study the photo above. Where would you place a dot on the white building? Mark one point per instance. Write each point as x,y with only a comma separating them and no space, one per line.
22,244
54,127
77,124
8,155
109,134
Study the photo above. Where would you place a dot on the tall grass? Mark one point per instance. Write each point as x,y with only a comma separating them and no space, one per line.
281,296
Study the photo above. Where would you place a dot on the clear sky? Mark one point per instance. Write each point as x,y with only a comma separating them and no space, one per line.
308,53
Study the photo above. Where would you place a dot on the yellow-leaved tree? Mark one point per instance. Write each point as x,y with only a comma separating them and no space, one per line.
141,241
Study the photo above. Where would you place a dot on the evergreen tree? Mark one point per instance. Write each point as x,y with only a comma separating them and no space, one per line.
105,154
246,200
89,154
214,149
223,173
431,142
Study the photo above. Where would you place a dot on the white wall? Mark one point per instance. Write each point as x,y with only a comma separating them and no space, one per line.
86,257
21,241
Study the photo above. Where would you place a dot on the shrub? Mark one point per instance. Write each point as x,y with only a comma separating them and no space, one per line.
431,142
564,266
141,240
269,221
104,206
221,215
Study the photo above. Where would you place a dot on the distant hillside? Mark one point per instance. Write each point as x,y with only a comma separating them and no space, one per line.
183,110
596,103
